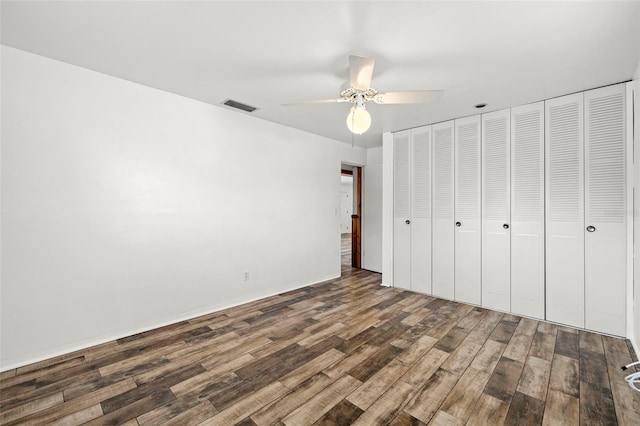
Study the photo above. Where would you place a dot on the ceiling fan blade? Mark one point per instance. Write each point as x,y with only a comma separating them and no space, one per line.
414,97
320,101
360,72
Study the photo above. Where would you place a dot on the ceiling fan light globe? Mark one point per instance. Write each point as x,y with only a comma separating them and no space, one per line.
358,120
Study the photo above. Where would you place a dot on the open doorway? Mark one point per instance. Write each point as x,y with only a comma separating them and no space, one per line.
346,210
351,211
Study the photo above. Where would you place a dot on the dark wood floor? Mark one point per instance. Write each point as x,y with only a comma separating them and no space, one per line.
347,351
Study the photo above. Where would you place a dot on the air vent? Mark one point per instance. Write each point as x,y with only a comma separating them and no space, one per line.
239,105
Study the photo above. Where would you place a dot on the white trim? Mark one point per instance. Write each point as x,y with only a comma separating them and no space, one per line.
387,209
633,101
630,207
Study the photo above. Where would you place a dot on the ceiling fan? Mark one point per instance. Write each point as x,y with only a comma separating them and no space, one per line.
360,92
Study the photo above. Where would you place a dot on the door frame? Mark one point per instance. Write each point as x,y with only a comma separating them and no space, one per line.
356,218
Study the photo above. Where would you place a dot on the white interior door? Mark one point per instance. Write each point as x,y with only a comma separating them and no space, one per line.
442,208
564,165
527,210
468,267
421,209
496,194
605,210
345,205
401,211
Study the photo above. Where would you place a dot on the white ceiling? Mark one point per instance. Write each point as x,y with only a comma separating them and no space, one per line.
266,53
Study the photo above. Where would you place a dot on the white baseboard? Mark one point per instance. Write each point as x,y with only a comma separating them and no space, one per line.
108,338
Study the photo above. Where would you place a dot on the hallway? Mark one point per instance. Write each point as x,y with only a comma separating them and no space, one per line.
345,250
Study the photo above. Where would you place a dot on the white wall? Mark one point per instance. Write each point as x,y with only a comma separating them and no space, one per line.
125,208
372,211
352,156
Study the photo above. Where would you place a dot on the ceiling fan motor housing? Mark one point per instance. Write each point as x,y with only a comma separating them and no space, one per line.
351,94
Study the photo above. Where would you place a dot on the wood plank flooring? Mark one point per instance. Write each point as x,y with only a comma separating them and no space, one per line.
347,351
345,249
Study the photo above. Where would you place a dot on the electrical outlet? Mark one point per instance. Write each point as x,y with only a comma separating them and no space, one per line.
246,275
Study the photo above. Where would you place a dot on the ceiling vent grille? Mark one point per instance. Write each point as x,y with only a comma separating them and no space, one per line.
239,105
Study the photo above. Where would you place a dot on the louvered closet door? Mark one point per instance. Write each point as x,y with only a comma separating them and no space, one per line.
496,285
443,221
605,210
401,211
527,210
564,168
467,210
421,209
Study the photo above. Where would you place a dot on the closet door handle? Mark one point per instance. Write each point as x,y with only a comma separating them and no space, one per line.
458,224
591,228
505,226
407,221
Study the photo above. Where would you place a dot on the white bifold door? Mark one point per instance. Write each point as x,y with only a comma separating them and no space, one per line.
401,210
527,210
468,266
586,209
496,183
605,210
412,210
564,142
443,208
